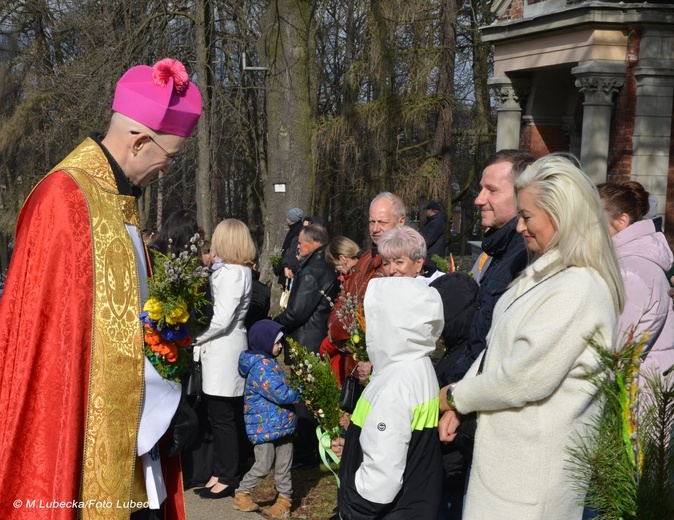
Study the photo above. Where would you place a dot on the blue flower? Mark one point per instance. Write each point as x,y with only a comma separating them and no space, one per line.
145,318
175,333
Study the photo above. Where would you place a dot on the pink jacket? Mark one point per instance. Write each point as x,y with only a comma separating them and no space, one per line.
644,257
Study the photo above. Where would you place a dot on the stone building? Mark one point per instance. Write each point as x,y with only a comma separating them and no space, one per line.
594,78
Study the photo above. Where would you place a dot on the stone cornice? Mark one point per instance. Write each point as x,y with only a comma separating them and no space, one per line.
572,18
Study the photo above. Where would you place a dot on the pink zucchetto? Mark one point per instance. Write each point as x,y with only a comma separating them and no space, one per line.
161,97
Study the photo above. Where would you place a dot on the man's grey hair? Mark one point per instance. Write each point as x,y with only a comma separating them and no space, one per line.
315,233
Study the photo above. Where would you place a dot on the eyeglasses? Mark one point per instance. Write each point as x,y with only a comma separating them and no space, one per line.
170,156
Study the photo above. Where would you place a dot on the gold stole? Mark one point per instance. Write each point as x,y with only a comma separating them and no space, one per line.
117,358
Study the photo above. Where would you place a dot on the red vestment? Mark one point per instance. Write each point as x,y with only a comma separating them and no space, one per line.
63,439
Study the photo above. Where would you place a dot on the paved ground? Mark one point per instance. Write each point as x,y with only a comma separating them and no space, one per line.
214,509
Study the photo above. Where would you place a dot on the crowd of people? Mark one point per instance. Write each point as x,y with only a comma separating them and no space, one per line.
474,384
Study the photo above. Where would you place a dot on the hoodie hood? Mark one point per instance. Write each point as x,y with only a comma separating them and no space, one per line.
263,335
403,319
643,241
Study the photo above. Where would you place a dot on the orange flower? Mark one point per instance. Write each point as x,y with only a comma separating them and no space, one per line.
168,350
153,338
185,342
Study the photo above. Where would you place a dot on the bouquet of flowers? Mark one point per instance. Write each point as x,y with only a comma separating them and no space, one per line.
351,317
275,257
172,314
311,376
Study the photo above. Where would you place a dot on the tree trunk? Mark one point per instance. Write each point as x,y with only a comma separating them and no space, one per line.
206,84
287,47
484,127
443,131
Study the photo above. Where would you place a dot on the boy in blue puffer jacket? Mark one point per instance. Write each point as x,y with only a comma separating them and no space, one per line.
269,417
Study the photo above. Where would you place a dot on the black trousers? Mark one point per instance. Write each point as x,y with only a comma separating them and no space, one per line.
306,442
226,417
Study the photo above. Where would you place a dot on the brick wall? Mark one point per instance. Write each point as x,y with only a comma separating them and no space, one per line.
515,11
622,121
541,140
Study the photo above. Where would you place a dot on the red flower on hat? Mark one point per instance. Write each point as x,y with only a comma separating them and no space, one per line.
168,68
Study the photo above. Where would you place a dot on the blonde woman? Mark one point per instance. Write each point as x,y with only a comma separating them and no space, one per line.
233,254
342,252
532,393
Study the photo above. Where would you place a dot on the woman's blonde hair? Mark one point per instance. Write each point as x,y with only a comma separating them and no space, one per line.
563,191
340,246
232,243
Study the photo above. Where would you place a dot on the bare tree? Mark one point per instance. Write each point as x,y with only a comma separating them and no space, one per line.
287,48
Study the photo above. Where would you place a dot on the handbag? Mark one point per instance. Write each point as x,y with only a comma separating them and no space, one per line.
183,429
351,391
193,386
285,297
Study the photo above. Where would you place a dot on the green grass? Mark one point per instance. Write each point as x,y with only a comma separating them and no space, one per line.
314,493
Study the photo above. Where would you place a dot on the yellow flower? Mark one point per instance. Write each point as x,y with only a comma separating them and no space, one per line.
153,309
355,338
178,314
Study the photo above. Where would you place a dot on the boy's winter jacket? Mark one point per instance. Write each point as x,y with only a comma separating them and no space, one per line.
268,400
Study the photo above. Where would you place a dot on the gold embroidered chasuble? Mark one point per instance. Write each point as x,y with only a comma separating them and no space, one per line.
115,384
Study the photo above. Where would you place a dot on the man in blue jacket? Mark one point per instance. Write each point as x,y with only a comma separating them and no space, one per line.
501,242
508,256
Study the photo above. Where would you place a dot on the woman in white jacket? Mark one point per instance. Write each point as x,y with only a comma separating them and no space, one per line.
220,345
532,394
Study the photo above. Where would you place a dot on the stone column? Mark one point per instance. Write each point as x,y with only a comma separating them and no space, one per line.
569,128
653,113
509,112
598,81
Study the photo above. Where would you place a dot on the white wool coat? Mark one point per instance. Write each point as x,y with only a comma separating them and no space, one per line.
532,395
226,337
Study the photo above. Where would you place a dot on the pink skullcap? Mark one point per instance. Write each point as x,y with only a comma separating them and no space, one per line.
161,97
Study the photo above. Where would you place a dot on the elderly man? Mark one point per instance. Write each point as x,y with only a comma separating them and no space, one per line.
386,211
306,317
305,320
77,390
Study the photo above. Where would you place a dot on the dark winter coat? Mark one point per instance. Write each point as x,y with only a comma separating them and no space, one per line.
268,400
260,301
459,303
509,257
306,317
434,233
287,249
